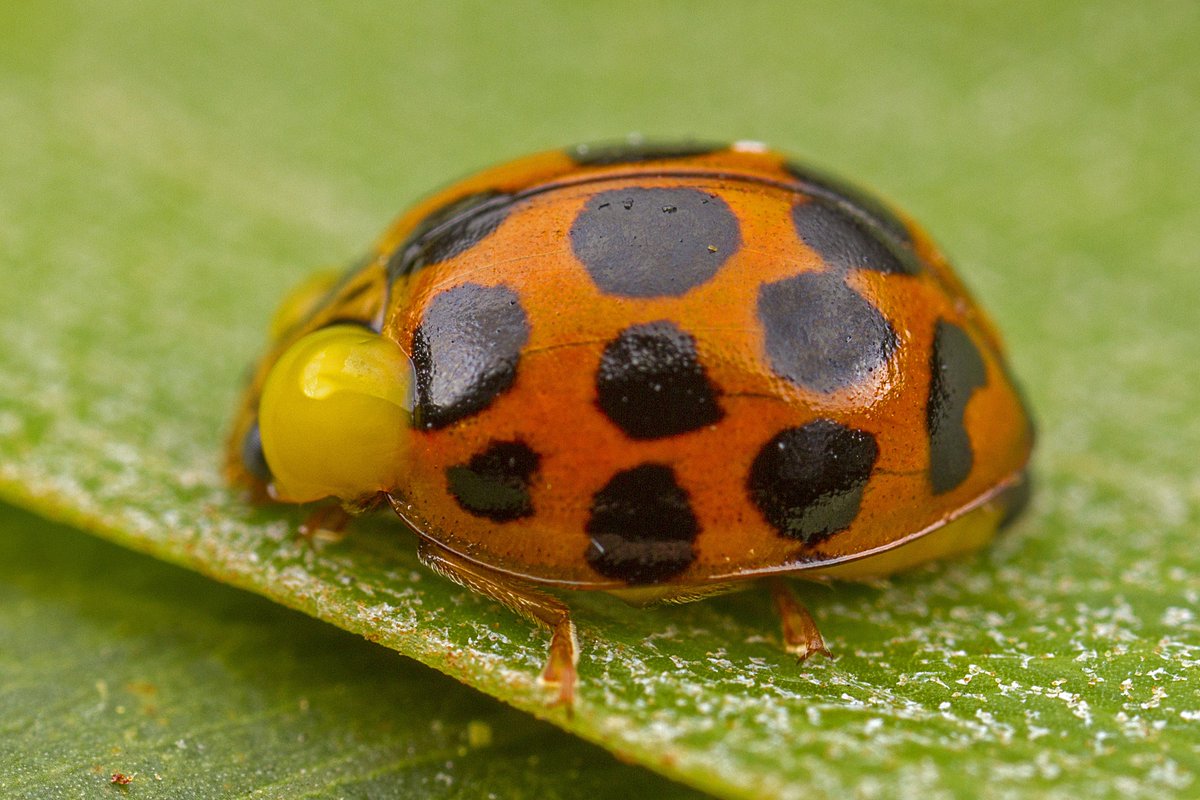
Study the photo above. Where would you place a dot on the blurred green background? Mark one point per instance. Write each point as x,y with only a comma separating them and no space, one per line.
167,171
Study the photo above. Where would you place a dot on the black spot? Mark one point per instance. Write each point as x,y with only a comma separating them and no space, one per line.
808,481
820,333
851,198
495,483
957,371
253,457
655,242
847,242
651,383
596,155
642,526
450,230
465,352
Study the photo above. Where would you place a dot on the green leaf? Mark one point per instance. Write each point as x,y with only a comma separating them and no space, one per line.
114,664
166,174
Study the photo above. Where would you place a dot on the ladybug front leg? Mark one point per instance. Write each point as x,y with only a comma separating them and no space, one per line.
326,523
525,600
800,634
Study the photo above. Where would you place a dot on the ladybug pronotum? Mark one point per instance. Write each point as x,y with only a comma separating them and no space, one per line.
654,371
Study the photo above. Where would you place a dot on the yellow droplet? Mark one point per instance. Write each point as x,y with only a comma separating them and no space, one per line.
335,415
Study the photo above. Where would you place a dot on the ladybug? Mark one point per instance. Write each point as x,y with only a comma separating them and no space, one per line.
657,371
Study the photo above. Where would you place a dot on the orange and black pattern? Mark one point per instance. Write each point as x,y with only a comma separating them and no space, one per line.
643,364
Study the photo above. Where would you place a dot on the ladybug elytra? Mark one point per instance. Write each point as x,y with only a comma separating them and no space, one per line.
655,371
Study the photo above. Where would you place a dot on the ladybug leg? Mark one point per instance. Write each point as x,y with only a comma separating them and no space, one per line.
525,600
800,634
326,523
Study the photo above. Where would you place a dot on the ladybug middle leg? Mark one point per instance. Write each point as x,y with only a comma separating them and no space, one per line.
525,600
800,634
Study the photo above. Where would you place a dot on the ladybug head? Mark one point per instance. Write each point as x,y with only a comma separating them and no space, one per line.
334,418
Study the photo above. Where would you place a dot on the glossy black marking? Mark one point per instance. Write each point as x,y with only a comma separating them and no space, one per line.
450,230
495,483
642,526
808,481
654,242
957,371
845,241
596,155
253,457
820,333
651,383
852,198
465,352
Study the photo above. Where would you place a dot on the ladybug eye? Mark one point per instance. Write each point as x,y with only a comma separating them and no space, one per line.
252,455
335,415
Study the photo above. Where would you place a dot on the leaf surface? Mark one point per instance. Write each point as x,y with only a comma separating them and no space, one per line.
166,175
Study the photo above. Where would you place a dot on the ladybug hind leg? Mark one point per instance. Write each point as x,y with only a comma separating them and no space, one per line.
800,634
522,598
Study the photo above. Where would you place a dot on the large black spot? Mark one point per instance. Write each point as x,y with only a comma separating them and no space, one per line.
595,155
495,483
465,352
958,370
450,230
847,242
655,242
642,526
253,457
651,383
820,333
808,481
851,198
